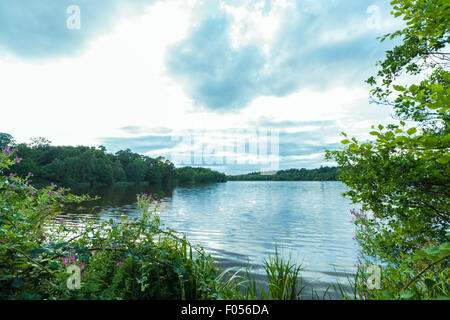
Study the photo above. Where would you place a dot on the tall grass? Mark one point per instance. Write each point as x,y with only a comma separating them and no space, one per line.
284,281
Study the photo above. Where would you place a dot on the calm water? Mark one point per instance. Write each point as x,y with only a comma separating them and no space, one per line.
241,222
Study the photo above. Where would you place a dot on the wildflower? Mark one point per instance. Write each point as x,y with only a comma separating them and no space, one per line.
66,260
18,160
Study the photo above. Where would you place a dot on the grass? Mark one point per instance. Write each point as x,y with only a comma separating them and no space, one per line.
283,282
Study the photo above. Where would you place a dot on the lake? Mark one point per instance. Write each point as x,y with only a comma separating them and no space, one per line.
241,222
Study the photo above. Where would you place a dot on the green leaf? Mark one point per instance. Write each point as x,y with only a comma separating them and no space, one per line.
374,133
388,294
407,294
411,131
444,159
399,88
432,251
345,141
445,247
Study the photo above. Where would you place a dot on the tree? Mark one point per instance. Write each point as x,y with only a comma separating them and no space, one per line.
118,172
136,170
39,142
6,140
103,171
402,177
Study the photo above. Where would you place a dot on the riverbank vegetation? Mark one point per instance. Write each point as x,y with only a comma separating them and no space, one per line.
67,166
42,256
319,174
401,178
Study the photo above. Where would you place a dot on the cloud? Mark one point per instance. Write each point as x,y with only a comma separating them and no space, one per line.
38,29
211,72
296,67
226,61
142,144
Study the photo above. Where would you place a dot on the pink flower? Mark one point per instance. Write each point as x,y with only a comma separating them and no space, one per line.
66,260
18,160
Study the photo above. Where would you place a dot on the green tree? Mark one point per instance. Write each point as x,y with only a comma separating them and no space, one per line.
135,170
118,172
6,140
103,171
402,177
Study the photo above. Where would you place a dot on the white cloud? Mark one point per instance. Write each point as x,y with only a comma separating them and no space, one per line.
121,81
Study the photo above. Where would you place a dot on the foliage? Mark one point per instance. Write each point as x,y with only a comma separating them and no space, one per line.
320,174
125,258
67,165
420,274
283,282
191,175
402,177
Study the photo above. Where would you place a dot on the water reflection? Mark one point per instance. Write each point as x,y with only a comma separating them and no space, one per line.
241,222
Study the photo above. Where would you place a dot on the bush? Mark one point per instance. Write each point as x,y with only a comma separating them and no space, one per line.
117,259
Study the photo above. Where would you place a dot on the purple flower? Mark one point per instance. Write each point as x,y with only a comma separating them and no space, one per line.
18,160
66,260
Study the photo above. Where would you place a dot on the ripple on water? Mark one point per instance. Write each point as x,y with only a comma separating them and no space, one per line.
241,222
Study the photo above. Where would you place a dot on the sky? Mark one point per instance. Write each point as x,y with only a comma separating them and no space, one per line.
237,86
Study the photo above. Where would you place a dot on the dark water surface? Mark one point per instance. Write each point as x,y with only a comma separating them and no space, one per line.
240,222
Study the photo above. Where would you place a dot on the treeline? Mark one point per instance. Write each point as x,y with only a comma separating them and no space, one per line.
69,165
320,174
190,175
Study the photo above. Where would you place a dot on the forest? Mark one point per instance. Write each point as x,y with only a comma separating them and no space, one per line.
320,174
69,165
